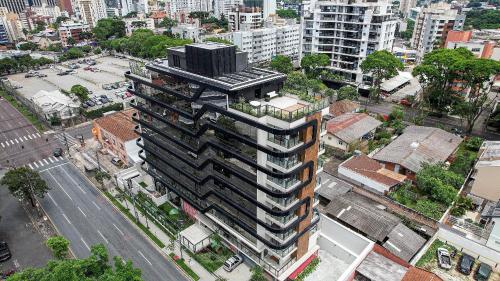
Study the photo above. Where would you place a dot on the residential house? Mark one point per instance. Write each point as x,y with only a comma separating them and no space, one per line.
363,171
54,104
418,146
344,106
486,184
350,128
115,132
43,42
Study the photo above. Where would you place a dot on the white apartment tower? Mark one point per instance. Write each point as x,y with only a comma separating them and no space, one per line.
225,6
432,25
91,11
347,31
15,6
406,5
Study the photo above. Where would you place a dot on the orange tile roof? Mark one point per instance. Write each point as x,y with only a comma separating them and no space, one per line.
418,274
119,124
372,169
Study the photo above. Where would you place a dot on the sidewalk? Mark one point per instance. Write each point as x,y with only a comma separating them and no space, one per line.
165,239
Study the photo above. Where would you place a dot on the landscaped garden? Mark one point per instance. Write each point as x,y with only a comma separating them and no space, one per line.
213,256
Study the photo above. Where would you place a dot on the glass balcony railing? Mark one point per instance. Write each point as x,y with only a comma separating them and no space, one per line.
284,141
285,162
284,252
283,202
284,183
283,219
321,162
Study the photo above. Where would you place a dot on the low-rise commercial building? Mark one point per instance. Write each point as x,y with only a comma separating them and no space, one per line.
72,29
55,105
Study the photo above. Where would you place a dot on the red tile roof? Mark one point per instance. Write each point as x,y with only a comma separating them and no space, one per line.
344,106
418,274
119,124
372,169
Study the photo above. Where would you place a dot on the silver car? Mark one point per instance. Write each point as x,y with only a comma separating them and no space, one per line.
232,262
444,259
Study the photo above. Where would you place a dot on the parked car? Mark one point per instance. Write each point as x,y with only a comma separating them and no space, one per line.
466,264
232,263
28,75
444,259
90,103
98,102
84,105
41,75
116,161
103,100
58,152
4,251
483,272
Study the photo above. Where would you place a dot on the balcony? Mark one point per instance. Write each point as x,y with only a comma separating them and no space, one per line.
284,162
282,203
282,237
284,141
282,221
287,183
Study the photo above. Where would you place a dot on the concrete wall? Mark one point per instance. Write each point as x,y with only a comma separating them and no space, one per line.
478,251
333,141
362,180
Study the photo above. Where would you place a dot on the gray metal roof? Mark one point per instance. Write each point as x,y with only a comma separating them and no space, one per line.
404,242
350,127
379,268
419,145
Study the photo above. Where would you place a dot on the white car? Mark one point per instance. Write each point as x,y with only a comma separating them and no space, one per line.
444,259
232,262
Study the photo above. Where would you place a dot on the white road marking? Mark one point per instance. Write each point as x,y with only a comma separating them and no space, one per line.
60,186
95,204
34,163
144,257
85,243
121,232
21,139
31,167
30,137
7,143
25,138
82,212
40,162
46,162
105,240
34,136
54,201
60,158
38,135
55,158
16,140
340,213
53,167
64,215
51,161
11,142
3,145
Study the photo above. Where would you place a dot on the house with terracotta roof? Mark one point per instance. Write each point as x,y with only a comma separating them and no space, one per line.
417,146
344,106
349,128
115,132
363,171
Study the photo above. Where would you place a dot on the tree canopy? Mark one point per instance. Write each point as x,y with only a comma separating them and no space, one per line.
28,46
25,184
287,14
95,267
483,19
282,64
347,92
313,64
59,246
442,185
21,63
218,40
382,65
81,92
109,27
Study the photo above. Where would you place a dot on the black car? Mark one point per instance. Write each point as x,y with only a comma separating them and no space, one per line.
58,152
466,264
483,272
90,103
4,251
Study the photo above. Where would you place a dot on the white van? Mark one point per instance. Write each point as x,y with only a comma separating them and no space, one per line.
232,263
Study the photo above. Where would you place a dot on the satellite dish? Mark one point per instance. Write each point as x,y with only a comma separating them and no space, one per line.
255,103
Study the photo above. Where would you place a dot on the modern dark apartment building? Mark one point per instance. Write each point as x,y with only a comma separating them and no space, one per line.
242,157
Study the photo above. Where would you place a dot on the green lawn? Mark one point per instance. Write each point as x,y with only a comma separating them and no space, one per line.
431,254
212,260
32,118
185,267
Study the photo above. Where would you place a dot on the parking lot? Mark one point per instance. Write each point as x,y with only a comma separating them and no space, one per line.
107,70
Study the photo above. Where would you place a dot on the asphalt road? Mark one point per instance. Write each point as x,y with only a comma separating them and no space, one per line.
83,216
20,142
26,244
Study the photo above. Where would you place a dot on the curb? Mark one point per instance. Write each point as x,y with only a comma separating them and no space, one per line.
135,226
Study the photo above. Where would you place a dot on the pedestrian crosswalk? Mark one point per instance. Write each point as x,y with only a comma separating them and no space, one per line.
69,138
44,162
19,140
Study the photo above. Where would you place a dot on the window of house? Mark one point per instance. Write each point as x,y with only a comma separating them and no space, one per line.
341,142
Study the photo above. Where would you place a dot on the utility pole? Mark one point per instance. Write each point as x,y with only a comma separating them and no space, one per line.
98,163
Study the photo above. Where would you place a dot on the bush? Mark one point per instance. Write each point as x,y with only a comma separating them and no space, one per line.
473,143
463,162
59,246
430,209
257,274
185,267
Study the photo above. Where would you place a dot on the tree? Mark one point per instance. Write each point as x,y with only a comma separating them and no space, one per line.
94,267
71,41
483,19
287,14
257,274
109,27
199,15
97,51
131,15
461,206
25,184
81,92
84,35
59,246
55,47
436,74
139,24
282,64
168,23
347,92
72,53
28,46
382,65
408,33
475,75
314,63
100,176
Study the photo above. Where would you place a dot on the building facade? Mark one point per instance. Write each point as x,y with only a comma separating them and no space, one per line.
464,39
432,25
240,158
15,6
91,11
245,19
73,30
347,33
